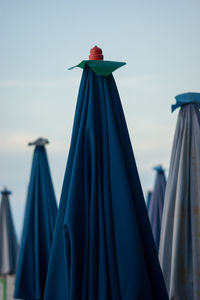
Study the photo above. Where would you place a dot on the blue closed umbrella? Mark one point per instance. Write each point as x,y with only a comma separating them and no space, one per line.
148,199
180,232
103,247
156,204
8,240
39,221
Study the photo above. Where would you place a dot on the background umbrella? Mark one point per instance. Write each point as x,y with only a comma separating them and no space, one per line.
39,221
156,204
103,247
148,199
8,240
180,233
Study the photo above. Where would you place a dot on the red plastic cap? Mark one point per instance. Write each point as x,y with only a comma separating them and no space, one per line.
96,53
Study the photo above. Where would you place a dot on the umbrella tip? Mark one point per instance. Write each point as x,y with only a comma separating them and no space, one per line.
5,191
159,168
39,142
96,53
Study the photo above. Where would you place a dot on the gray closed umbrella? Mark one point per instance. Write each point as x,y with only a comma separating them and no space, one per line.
8,240
180,232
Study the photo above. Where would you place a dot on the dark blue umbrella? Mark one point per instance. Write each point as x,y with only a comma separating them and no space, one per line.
148,199
103,246
39,221
156,204
8,240
180,233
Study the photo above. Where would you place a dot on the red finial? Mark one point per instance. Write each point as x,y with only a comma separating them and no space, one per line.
96,53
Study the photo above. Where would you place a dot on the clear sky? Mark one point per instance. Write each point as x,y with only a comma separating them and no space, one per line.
39,40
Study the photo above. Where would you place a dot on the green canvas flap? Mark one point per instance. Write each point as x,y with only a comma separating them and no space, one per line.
100,67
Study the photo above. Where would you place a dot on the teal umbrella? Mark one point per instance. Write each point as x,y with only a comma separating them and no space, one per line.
38,228
103,247
148,199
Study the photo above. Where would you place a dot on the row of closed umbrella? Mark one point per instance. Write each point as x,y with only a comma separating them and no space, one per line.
102,246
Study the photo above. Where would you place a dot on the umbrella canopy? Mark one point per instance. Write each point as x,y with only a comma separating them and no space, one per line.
103,247
8,239
39,221
180,232
156,204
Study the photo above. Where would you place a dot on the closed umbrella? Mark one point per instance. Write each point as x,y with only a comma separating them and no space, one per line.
148,199
156,204
8,240
39,221
180,233
103,247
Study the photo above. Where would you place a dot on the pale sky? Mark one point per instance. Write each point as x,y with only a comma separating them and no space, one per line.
160,42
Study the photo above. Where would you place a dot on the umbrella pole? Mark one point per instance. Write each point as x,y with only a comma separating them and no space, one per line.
4,287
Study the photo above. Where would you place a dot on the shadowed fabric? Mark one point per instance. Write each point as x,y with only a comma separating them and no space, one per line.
103,248
8,239
180,232
39,221
156,205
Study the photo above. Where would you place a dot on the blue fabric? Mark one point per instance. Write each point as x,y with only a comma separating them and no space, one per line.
186,98
156,204
103,247
159,169
39,222
148,199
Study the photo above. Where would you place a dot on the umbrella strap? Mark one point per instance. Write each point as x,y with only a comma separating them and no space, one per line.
4,286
